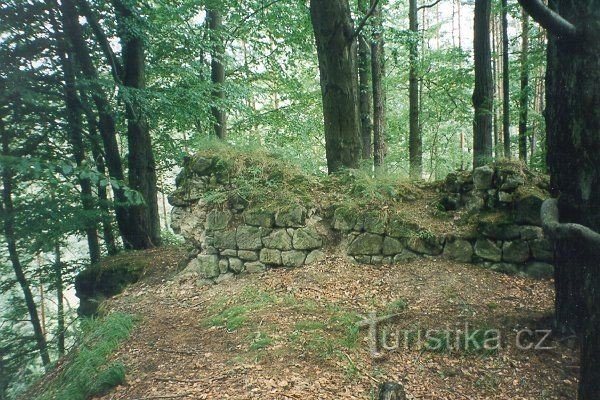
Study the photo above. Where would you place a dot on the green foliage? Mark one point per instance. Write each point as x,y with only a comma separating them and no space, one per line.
88,372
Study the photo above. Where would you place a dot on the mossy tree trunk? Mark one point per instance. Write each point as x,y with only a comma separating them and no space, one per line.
378,72
524,98
364,73
217,71
336,49
414,136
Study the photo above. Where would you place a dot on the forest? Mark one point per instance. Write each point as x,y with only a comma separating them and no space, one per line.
291,176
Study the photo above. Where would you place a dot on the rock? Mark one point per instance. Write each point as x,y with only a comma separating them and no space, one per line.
528,211
483,177
254,267
451,183
223,265
362,259
307,239
375,222
450,202
366,243
270,256
217,220
512,182
293,218
540,270
459,250
262,218
278,239
391,391
248,237
387,260
500,231
200,165
224,239
392,246
473,201
236,265
377,260
531,232
506,268
343,219
208,266
211,250
193,253
248,255
542,250
504,197
399,228
431,246
293,258
405,256
515,252
488,250
229,253
225,277
204,282
314,257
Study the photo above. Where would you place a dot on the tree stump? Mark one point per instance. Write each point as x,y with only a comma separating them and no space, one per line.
391,391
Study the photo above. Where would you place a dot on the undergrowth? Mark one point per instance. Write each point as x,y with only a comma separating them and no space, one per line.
87,371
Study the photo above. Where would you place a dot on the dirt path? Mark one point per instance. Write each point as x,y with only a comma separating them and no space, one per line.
289,334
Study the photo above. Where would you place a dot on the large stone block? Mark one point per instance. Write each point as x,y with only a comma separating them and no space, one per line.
208,266
259,218
392,246
375,222
459,250
343,219
515,252
224,240
483,177
366,244
540,270
248,255
278,239
236,265
528,211
307,239
217,220
542,249
270,256
294,217
431,246
314,257
253,267
531,232
293,258
488,250
248,238
500,231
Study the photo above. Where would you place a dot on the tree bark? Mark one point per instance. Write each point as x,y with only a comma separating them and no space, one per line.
215,25
483,93
144,219
415,141
8,212
378,71
524,98
60,303
334,36
505,82
364,72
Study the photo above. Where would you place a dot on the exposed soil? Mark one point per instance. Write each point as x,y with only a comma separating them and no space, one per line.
285,334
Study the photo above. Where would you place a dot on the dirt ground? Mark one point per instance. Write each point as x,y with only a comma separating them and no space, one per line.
290,334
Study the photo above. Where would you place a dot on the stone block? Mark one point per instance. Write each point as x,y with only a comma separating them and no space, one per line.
366,244
515,252
294,217
459,250
217,220
314,256
392,246
278,239
293,258
483,177
270,256
262,218
254,267
488,250
307,239
248,237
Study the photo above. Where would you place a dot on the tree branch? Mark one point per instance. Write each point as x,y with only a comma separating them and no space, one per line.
548,19
364,20
247,17
557,230
428,5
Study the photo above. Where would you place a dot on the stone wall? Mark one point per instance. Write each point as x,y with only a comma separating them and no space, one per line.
234,236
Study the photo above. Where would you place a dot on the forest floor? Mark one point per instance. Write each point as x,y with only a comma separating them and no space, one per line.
291,334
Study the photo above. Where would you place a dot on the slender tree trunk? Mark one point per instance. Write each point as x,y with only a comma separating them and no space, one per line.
215,25
378,72
334,36
524,98
11,243
496,72
73,108
106,124
144,219
505,81
483,93
60,304
415,141
364,72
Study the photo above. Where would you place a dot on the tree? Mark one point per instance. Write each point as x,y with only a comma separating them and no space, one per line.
524,97
217,67
364,72
377,71
415,140
335,38
573,140
483,97
505,81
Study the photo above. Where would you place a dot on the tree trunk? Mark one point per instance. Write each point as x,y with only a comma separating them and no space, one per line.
60,303
505,82
215,22
144,219
334,36
11,242
378,71
106,123
524,98
415,141
364,72
573,139
483,93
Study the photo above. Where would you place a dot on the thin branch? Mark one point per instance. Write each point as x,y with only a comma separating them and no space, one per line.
548,19
364,20
252,14
428,5
557,230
